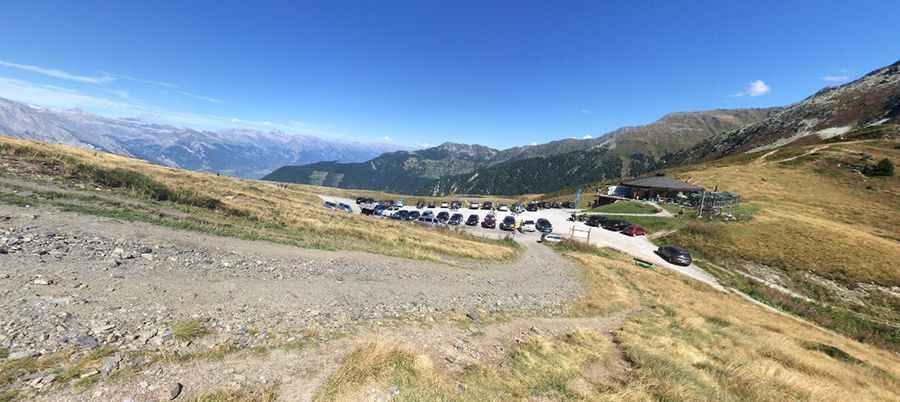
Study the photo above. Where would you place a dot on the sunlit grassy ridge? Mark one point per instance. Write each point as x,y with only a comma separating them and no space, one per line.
817,214
230,206
685,342
824,230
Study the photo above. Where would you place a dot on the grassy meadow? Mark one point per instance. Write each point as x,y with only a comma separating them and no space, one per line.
680,341
125,188
820,229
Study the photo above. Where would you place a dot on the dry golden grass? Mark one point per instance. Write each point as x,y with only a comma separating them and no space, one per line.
816,214
255,394
688,342
291,214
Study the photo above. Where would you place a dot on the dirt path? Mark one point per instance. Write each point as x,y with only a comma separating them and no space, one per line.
300,373
119,273
810,152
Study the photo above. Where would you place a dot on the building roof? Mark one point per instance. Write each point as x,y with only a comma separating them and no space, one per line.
662,182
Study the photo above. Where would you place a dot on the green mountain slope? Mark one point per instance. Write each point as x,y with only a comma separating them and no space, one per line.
451,167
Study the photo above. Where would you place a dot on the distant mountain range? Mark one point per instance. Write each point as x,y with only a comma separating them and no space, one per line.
858,108
474,169
237,152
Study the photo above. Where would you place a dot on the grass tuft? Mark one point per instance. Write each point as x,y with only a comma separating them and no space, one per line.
189,330
255,394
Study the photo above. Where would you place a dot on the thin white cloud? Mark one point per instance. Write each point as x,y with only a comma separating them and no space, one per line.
755,88
533,143
835,78
103,79
120,93
66,98
52,72
201,97
587,137
58,97
142,81
586,111
387,138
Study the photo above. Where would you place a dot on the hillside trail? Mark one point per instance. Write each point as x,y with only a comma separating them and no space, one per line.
342,284
299,374
807,153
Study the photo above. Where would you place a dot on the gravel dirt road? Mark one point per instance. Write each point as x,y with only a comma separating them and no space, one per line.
69,279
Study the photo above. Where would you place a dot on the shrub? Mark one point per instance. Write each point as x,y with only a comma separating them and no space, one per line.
884,167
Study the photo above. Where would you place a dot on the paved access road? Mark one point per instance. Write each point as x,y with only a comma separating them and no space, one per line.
638,247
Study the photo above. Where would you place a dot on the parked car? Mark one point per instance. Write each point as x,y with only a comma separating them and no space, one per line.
474,205
543,226
675,255
489,222
527,226
428,214
413,215
330,205
456,219
550,238
443,216
634,230
532,207
595,220
430,204
427,221
487,205
503,208
615,225
569,204
472,220
455,205
344,207
445,205
509,223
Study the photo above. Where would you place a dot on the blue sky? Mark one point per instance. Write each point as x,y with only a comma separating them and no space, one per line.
423,72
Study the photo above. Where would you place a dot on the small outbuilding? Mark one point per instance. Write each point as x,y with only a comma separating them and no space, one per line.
655,187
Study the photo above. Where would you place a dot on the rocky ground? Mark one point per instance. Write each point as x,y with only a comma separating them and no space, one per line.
70,281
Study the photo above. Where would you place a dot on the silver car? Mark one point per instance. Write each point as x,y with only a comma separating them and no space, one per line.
550,238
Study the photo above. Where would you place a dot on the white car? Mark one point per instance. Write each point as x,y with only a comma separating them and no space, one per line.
445,205
503,208
550,238
474,205
528,226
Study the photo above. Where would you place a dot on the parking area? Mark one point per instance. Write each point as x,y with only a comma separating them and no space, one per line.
638,247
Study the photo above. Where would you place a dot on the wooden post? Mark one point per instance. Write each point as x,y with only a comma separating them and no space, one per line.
702,201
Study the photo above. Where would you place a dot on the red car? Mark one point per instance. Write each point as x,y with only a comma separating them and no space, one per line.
634,230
